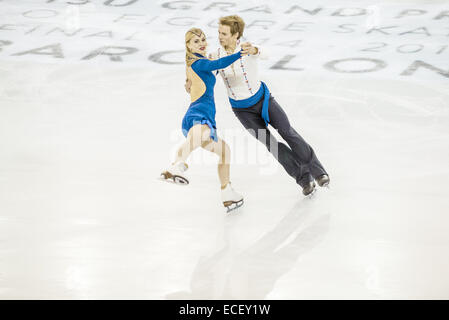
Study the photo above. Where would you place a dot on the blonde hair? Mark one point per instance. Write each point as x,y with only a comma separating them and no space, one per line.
235,23
190,56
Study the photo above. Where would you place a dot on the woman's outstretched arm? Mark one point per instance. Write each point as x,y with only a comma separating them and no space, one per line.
210,65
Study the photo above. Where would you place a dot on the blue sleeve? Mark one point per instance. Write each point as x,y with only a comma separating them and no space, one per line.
210,65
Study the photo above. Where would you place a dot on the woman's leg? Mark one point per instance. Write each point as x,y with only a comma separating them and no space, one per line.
199,136
223,151
194,140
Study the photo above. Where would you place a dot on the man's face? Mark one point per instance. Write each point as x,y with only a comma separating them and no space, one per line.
225,37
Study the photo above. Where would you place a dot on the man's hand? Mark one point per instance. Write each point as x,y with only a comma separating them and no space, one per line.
247,48
187,85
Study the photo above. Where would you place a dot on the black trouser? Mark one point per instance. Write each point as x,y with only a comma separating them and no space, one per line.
299,160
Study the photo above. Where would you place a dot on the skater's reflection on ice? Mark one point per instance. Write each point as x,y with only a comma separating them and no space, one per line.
251,273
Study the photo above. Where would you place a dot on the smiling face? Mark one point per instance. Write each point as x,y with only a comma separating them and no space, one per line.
226,38
198,44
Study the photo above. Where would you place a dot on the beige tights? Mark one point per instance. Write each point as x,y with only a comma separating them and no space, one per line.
199,136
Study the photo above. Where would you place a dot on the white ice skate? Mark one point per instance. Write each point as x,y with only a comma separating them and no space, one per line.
175,173
231,199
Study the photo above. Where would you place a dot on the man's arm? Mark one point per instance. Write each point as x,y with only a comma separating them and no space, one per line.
254,50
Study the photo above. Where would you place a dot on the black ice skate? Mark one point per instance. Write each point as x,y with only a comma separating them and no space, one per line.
323,180
309,189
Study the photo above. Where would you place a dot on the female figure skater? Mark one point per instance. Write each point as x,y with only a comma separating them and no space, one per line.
198,124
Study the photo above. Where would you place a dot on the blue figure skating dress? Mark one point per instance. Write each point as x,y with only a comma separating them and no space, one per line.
202,110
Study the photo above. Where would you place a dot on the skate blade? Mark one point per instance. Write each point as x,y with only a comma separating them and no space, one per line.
312,194
168,177
231,205
325,185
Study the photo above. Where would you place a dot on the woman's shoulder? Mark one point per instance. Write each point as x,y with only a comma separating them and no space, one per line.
198,62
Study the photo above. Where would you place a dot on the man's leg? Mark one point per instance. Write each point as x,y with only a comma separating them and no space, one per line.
254,123
302,150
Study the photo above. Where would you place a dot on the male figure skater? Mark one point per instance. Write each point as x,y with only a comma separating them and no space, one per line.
255,108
